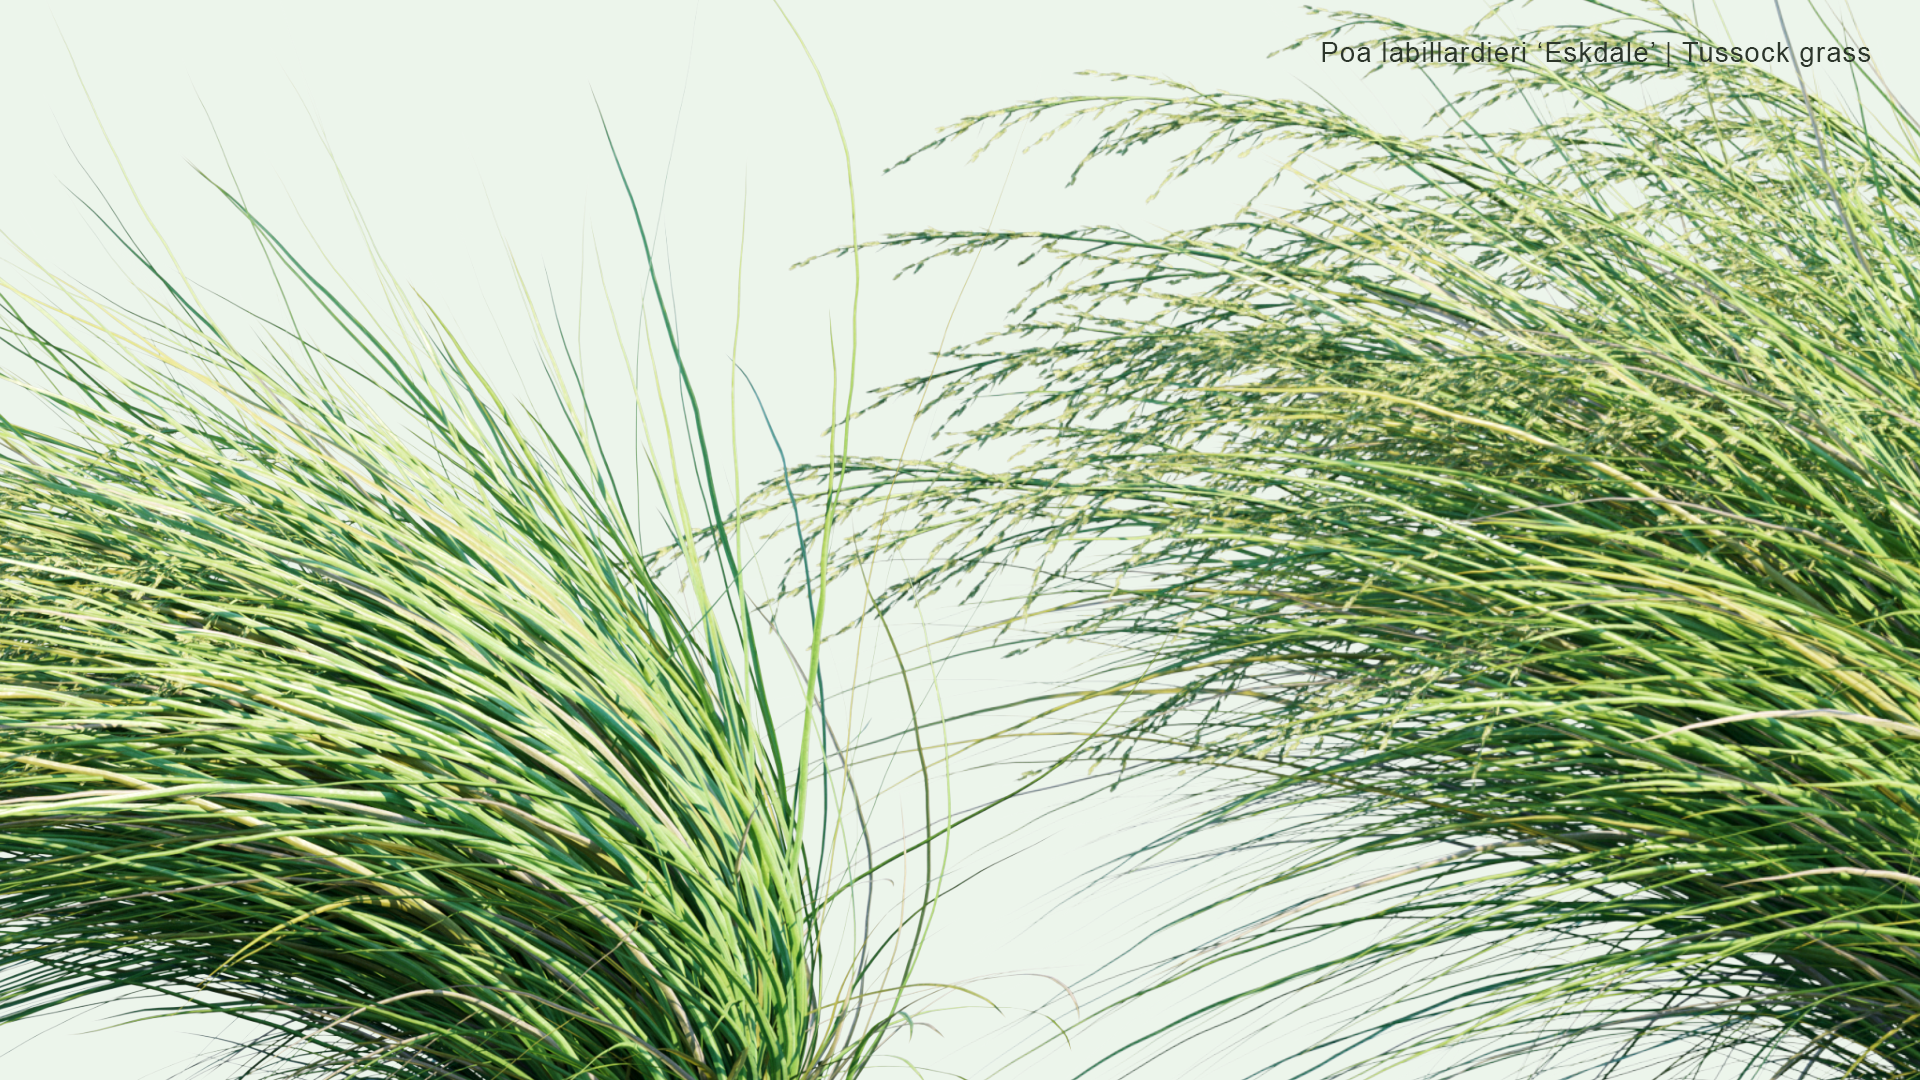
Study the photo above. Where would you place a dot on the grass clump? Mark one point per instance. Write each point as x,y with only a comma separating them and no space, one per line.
1536,501
335,695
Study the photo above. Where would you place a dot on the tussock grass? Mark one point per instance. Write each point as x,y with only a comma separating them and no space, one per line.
378,732
1538,498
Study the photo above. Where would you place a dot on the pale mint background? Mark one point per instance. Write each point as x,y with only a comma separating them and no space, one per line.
468,128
